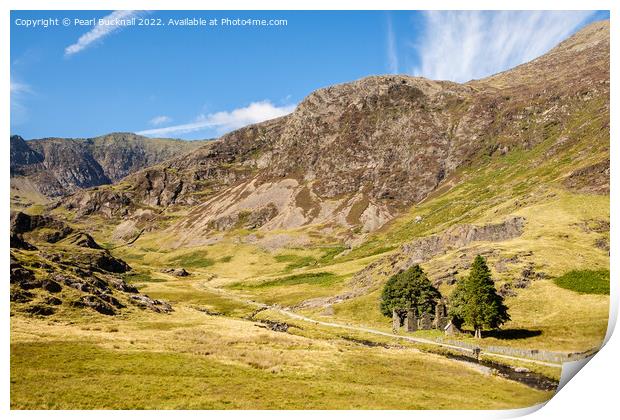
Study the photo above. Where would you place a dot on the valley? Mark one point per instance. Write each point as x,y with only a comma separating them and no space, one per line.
246,272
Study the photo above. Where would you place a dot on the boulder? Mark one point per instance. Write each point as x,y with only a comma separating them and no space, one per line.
53,301
97,304
145,302
51,286
178,272
21,296
107,262
40,309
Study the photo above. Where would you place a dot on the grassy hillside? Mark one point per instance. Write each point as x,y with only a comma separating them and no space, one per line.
287,315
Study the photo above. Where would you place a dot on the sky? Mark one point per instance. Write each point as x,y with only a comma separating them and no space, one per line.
87,78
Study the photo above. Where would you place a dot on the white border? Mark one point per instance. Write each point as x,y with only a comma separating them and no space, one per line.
593,394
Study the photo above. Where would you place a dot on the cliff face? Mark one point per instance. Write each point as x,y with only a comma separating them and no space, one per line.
356,154
57,167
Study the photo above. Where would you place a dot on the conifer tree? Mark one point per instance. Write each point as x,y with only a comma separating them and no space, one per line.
475,300
410,289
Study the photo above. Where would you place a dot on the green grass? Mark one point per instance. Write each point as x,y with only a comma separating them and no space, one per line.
315,279
595,282
195,259
300,261
72,375
295,261
141,277
202,298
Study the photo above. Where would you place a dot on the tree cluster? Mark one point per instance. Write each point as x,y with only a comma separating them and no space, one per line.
474,301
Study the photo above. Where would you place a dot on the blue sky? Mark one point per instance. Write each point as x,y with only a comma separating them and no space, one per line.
200,82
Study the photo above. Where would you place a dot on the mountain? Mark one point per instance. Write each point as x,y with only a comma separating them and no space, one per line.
352,157
54,167
364,178
262,256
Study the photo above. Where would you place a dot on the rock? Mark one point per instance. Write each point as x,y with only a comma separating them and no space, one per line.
155,305
17,241
97,304
421,250
121,285
600,243
111,300
500,266
83,240
105,261
56,235
22,223
58,167
21,296
505,290
450,281
178,272
521,370
528,272
274,326
521,283
592,179
51,286
21,274
53,301
40,309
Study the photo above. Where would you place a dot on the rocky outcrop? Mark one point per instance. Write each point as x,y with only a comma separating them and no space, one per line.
22,222
22,155
83,240
423,249
92,279
17,241
76,263
592,179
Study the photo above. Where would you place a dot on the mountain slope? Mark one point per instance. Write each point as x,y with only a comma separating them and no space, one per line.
315,210
354,156
56,167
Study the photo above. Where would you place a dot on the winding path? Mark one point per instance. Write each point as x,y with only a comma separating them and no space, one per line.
418,340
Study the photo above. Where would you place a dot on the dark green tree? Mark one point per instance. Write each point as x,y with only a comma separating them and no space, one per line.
410,289
475,300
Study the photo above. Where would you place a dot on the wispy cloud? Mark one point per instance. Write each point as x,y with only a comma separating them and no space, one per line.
19,88
392,55
18,110
160,119
224,121
100,31
466,45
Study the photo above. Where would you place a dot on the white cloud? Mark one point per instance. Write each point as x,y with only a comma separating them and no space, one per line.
100,31
160,119
224,121
18,110
465,45
392,55
19,88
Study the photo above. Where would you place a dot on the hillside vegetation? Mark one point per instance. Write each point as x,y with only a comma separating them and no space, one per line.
272,244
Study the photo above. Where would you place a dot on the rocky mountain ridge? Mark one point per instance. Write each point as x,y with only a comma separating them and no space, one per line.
60,166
